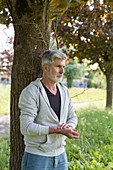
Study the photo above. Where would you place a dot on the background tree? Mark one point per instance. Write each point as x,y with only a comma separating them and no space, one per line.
90,33
74,70
32,28
98,41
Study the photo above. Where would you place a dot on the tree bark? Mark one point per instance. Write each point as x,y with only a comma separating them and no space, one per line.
109,81
32,35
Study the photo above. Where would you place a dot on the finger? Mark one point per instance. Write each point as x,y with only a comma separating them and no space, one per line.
71,127
75,132
77,135
61,126
66,126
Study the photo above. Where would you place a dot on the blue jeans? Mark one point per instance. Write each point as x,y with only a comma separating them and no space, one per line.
37,162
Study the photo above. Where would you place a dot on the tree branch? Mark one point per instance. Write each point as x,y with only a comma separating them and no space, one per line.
80,93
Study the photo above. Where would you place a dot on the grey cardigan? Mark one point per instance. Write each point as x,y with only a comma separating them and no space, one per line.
37,115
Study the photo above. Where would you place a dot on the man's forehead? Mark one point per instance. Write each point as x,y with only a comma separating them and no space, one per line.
59,60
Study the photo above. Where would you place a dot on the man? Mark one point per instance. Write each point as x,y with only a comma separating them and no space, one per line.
47,117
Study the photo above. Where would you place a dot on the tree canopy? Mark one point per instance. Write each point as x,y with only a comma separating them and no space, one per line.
90,32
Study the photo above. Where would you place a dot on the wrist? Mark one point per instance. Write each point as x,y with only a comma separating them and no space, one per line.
54,130
58,131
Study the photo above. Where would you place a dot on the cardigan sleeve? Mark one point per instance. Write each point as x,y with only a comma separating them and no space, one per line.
28,104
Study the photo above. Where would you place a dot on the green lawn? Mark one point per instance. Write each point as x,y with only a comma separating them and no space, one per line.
80,95
4,99
94,149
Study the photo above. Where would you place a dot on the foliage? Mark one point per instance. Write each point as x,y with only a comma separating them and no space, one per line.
4,99
90,34
5,17
94,148
90,74
56,8
95,36
99,80
4,152
74,70
96,79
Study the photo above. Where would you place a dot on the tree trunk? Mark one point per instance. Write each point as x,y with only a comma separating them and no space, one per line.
109,90
32,36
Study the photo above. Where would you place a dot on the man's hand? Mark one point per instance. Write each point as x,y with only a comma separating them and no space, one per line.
68,131
63,126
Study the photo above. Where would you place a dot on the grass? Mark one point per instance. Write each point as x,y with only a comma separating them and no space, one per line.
4,99
94,149
89,95
4,153
80,95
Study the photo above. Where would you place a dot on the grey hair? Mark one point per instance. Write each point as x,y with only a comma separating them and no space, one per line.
49,56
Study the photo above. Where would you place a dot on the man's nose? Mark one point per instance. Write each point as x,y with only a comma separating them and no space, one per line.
62,71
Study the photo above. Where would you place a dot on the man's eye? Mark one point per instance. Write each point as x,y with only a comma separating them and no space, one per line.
59,66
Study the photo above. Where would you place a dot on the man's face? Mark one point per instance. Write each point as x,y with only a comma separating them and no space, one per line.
56,70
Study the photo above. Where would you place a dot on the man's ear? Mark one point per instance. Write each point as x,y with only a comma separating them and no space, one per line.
45,67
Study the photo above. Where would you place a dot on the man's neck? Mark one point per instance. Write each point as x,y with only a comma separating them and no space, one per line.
51,86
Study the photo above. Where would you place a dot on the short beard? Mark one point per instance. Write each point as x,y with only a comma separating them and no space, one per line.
56,79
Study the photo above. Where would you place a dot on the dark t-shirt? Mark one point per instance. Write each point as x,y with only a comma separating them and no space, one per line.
55,100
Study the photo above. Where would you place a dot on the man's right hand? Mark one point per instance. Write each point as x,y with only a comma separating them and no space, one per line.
69,132
65,130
